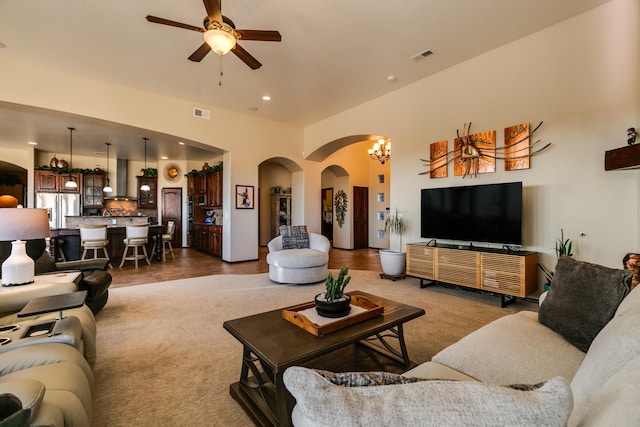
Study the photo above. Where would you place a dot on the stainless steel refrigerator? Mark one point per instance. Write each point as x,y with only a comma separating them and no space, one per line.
59,205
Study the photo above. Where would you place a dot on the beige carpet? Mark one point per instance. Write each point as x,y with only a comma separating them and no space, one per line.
164,358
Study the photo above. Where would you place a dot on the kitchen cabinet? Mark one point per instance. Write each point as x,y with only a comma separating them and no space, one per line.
208,239
48,181
214,189
92,186
190,186
148,199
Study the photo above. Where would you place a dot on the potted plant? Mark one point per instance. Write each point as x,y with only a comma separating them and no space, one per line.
563,247
393,262
333,302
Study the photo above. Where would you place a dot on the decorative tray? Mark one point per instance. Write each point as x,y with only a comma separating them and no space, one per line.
361,309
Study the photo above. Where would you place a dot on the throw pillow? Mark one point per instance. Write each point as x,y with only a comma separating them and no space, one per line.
582,299
294,236
321,402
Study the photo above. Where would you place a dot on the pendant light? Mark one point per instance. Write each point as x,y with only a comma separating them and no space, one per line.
145,186
107,188
70,183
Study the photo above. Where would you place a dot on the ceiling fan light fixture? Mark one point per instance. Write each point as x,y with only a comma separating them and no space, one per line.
220,38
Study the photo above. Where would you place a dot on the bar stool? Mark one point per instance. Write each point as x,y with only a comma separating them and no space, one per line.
166,240
137,237
93,238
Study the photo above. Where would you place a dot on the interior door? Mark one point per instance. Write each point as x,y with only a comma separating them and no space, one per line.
172,211
360,217
327,213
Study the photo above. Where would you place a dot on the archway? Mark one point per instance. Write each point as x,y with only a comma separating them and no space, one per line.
276,185
13,181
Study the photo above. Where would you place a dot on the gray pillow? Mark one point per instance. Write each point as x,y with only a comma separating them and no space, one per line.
582,299
321,402
294,236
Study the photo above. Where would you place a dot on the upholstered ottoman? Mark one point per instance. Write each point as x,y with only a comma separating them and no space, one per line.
299,266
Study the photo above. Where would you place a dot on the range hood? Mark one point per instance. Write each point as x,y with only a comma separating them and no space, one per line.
121,182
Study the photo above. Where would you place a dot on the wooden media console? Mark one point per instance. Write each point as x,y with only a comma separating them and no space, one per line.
510,274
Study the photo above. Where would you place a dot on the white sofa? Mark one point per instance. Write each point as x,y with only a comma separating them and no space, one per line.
299,266
599,387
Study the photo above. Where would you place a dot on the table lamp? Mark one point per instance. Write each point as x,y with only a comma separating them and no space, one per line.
18,225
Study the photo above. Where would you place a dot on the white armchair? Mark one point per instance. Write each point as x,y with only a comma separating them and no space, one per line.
299,266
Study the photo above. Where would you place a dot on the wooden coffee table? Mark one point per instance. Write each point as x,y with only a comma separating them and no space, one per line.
273,344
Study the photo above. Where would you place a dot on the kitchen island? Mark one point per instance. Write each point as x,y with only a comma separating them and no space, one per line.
68,239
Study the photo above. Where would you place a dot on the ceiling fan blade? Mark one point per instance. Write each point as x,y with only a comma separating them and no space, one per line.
213,9
200,53
246,57
260,35
163,21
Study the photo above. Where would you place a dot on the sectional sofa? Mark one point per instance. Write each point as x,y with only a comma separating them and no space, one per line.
51,375
576,362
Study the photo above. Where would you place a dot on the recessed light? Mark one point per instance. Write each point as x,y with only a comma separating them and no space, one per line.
391,78
164,157
180,143
32,143
266,98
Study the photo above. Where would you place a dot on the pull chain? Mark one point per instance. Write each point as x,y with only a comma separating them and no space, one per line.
221,74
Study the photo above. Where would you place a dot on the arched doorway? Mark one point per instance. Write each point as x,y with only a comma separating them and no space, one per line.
276,196
13,181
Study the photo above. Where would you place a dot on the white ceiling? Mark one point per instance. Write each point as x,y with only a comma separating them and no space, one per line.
333,55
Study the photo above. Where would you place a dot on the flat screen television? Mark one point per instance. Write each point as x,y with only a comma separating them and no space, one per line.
490,213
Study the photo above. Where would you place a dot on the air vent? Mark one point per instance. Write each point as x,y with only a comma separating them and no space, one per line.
422,55
203,114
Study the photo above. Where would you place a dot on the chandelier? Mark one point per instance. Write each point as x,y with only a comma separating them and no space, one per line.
381,151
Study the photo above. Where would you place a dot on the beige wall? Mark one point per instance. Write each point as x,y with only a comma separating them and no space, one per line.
580,77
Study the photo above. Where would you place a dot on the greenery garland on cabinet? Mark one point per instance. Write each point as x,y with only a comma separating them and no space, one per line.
340,201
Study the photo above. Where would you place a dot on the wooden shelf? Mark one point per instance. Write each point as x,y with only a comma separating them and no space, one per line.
622,158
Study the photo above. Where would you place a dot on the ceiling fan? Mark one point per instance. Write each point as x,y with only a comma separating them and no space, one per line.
221,36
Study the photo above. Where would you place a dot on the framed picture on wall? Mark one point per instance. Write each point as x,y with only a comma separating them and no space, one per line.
244,196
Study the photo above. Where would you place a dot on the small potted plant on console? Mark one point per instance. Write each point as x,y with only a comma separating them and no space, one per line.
333,302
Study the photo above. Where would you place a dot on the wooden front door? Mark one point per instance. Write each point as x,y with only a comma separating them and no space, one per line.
172,211
360,217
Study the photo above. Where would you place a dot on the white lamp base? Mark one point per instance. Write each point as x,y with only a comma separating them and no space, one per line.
19,268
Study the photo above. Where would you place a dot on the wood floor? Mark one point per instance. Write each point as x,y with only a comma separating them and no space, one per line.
192,263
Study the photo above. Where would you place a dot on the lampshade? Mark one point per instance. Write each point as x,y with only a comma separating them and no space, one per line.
23,224
220,40
27,224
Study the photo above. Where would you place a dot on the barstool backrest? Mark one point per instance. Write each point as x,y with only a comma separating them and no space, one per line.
171,227
137,231
93,232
